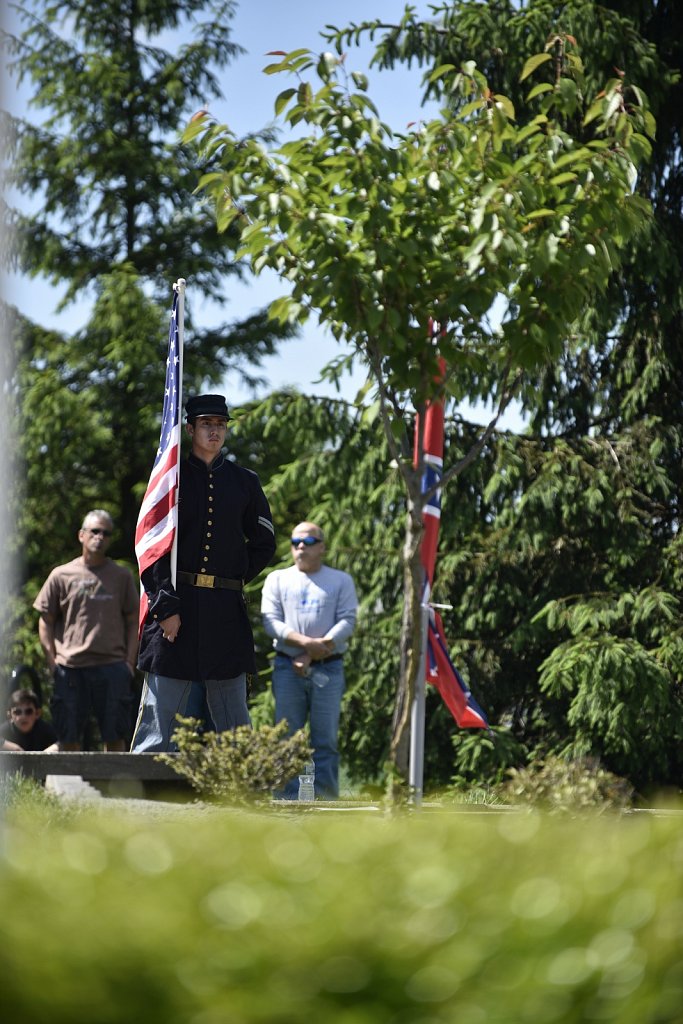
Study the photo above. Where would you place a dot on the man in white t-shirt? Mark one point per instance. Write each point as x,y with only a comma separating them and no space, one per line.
88,629
310,611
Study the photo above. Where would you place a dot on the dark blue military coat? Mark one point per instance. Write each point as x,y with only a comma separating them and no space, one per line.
224,529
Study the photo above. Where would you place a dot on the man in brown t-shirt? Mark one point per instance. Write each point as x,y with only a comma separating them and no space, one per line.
88,629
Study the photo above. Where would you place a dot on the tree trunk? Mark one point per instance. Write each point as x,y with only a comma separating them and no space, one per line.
411,637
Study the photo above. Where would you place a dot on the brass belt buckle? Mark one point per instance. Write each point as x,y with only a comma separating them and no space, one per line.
205,581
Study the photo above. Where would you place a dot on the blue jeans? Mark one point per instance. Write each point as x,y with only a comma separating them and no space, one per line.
163,698
300,698
197,707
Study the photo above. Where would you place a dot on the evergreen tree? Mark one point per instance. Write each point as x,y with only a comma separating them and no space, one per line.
108,213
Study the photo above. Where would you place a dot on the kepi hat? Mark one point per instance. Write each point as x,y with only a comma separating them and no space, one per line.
206,405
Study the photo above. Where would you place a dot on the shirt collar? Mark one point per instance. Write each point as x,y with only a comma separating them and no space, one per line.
194,460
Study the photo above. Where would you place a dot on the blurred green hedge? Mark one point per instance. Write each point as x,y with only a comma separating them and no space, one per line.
229,917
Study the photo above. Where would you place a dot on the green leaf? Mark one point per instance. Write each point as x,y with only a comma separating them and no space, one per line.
193,129
532,63
305,94
538,90
506,105
283,99
563,178
279,309
595,110
440,71
371,412
293,61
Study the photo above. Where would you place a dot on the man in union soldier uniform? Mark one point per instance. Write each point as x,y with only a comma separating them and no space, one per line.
198,631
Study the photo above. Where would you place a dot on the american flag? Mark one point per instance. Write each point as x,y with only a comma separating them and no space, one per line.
439,669
158,518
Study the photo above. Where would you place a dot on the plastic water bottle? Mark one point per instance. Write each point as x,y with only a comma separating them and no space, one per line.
307,784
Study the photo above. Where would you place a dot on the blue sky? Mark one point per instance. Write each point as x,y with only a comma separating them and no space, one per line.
260,26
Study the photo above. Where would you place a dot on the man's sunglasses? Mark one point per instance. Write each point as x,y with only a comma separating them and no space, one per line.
97,531
22,712
306,541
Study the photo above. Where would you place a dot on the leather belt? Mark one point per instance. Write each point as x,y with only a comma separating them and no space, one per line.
203,579
318,661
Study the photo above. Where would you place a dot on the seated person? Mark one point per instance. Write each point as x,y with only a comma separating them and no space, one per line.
25,729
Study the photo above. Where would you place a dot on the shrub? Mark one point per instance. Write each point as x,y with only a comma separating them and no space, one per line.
480,755
563,786
242,765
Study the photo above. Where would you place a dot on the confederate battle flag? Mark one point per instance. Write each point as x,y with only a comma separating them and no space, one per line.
440,670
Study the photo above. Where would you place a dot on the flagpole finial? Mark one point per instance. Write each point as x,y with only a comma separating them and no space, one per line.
179,286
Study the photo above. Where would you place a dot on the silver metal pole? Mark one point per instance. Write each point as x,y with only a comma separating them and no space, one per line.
417,721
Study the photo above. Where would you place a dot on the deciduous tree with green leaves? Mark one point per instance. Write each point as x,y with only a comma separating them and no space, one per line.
379,233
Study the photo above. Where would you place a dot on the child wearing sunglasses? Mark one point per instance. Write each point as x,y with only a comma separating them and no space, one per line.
25,728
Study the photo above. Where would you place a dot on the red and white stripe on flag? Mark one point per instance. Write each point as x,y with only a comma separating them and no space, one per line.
158,517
